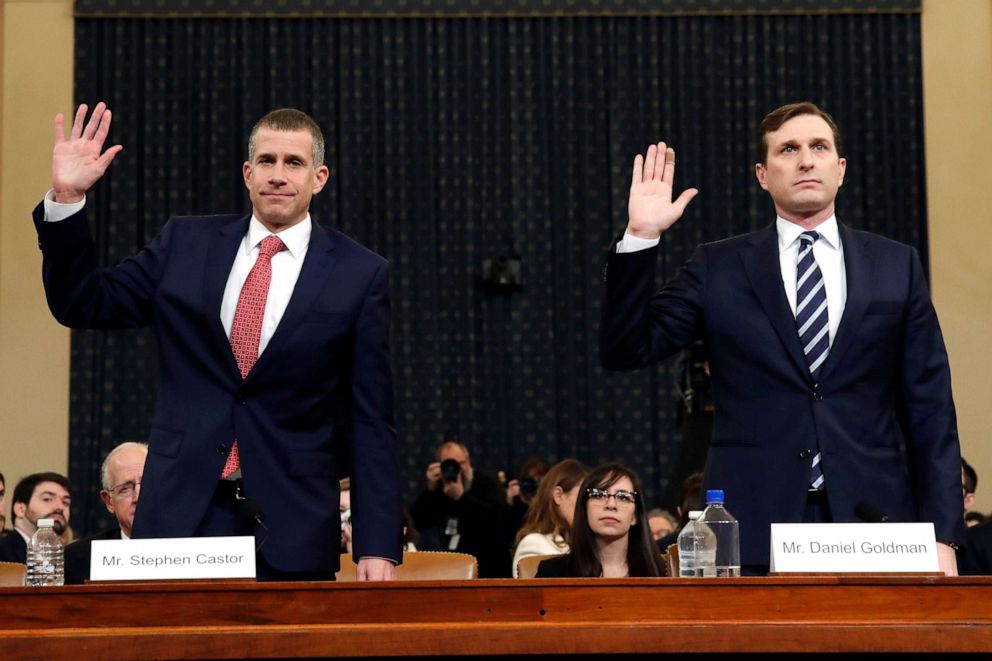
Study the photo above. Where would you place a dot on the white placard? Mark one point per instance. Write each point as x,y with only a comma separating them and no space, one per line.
853,547
172,558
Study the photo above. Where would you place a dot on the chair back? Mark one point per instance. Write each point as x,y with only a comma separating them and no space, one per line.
422,566
527,565
672,560
12,574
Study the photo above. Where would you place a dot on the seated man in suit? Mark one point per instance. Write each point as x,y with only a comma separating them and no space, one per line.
826,357
120,476
37,496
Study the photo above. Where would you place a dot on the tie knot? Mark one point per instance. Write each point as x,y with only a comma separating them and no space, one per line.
271,245
809,237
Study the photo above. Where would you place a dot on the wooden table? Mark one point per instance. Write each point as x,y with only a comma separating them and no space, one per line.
465,618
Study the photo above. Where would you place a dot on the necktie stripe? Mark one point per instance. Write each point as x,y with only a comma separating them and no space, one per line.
812,323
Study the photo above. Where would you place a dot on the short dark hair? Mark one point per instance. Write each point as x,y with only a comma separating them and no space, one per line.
290,119
25,488
774,120
969,478
3,479
643,558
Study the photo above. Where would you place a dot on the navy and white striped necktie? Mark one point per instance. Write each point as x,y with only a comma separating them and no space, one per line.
813,323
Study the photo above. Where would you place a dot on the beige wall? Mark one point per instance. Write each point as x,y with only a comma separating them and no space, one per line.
957,80
34,350
36,65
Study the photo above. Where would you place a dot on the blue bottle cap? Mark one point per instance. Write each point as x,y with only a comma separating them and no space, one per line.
714,496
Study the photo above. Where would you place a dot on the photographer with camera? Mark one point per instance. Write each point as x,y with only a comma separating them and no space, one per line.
462,509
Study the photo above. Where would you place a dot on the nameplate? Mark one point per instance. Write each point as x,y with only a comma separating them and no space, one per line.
853,547
172,558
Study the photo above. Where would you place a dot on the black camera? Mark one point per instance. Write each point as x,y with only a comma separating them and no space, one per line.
528,487
450,468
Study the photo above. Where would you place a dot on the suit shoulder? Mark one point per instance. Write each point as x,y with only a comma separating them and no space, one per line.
882,244
354,249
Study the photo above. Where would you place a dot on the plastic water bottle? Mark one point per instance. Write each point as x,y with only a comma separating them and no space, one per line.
697,548
725,527
46,561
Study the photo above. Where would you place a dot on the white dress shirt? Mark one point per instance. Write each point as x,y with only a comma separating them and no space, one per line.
828,251
286,266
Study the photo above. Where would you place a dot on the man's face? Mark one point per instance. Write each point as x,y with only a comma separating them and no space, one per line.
969,496
456,453
49,501
281,179
125,469
803,171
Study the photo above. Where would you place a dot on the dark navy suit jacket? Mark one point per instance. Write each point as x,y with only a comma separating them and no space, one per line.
322,383
882,412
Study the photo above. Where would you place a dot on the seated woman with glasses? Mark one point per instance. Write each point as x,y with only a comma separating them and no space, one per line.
545,530
610,533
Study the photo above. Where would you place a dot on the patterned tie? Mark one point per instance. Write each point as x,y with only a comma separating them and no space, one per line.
811,318
247,327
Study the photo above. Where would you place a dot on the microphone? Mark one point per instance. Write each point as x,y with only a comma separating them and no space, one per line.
869,513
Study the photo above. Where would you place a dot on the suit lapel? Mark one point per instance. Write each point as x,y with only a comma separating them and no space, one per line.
763,267
859,268
221,252
313,277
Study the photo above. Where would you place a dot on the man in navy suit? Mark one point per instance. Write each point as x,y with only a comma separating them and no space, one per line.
858,415
273,351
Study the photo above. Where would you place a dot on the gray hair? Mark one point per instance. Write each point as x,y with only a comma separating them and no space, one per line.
289,119
105,468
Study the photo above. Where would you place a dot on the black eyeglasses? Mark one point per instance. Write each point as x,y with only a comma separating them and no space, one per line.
602,496
125,490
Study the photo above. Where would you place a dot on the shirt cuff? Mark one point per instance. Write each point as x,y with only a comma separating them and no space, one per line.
631,243
375,557
56,211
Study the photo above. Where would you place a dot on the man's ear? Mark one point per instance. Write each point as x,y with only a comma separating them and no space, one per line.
108,503
760,173
19,510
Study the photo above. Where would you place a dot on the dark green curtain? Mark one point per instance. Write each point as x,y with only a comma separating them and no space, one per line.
453,140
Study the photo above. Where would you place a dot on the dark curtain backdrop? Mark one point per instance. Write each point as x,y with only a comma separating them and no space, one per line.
456,139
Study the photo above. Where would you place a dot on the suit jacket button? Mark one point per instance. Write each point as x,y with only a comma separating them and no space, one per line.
806,454
222,449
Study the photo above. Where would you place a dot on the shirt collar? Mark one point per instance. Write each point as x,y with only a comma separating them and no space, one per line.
788,232
296,238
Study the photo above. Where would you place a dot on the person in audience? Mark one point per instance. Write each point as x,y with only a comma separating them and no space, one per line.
975,556
973,518
344,506
610,536
520,491
120,477
662,523
3,505
690,499
463,509
969,484
545,530
37,496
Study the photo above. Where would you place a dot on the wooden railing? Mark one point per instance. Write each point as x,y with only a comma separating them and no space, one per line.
465,618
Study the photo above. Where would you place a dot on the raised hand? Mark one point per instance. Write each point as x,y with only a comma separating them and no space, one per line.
650,208
79,161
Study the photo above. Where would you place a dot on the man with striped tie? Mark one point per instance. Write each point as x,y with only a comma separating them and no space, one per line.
824,347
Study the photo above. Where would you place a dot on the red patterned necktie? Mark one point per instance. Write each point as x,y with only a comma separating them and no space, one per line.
247,327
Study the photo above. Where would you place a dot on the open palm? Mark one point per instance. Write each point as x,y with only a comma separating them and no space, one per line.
79,161
650,207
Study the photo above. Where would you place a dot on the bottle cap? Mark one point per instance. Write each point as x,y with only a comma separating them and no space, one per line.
694,515
714,496
46,523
